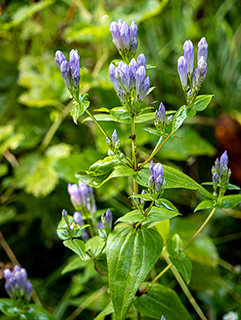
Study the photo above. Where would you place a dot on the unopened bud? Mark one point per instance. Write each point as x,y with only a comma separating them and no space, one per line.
182,70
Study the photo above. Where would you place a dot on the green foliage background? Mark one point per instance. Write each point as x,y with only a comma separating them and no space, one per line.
41,148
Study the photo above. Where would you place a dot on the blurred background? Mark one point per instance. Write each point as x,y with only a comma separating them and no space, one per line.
41,148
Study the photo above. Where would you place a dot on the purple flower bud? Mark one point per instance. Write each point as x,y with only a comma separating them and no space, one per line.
66,74
133,69
65,216
160,114
158,171
133,36
125,35
201,71
215,179
74,59
24,275
133,31
7,273
189,55
76,79
134,45
224,163
121,96
151,182
28,290
123,77
112,73
115,31
169,120
202,49
75,195
59,58
141,60
144,89
16,268
8,288
217,165
114,138
182,70
85,236
151,167
163,318
107,220
140,77
78,218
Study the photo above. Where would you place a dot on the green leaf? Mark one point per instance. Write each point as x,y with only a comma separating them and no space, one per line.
201,102
160,300
100,264
174,179
179,118
102,167
179,258
153,131
6,213
74,264
131,254
120,113
230,201
145,196
79,108
3,169
230,186
78,246
107,117
145,117
94,246
98,181
7,306
109,309
166,204
29,312
206,204
163,227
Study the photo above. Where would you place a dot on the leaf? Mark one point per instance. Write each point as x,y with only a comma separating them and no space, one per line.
201,102
155,215
79,108
179,118
153,131
145,196
96,182
163,227
161,301
131,254
102,167
74,264
120,113
145,117
109,309
230,201
206,204
174,179
6,214
230,186
179,258
94,245
7,306
29,312
164,203
78,246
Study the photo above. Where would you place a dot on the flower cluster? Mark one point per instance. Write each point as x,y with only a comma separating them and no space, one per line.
186,65
17,284
124,37
114,144
130,81
220,171
82,197
160,121
156,182
70,70
75,222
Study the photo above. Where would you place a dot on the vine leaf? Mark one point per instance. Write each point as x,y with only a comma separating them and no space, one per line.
131,254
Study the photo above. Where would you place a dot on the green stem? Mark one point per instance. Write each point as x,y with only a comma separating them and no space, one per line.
184,287
133,139
97,123
200,229
161,274
155,152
